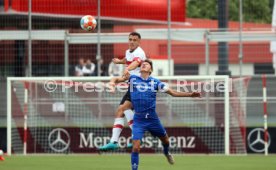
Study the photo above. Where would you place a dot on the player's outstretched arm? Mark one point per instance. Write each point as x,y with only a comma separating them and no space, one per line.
132,66
115,80
182,94
118,61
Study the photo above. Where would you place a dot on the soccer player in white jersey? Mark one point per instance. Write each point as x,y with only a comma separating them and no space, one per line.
143,97
133,58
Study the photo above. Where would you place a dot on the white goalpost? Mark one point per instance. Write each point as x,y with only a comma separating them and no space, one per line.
75,115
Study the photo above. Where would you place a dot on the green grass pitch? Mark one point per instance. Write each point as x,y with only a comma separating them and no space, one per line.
147,162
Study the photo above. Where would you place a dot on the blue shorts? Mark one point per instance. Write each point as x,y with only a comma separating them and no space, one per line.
154,126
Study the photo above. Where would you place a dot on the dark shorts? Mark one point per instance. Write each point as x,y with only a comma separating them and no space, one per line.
126,97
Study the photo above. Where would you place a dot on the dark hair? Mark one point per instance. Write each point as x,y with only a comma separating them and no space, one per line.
150,62
135,34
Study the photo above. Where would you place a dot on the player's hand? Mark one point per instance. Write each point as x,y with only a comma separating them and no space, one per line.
111,86
126,73
116,60
195,94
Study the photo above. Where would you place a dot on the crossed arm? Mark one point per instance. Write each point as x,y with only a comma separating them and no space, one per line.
132,66
118,61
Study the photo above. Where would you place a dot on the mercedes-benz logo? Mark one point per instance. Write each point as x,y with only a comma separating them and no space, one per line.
59,140
255,140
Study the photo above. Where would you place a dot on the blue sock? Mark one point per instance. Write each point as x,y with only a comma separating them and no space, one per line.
134,160
166,149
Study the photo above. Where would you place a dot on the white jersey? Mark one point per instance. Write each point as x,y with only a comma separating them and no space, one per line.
137,55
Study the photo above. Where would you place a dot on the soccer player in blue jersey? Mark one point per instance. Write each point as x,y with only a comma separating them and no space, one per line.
143,90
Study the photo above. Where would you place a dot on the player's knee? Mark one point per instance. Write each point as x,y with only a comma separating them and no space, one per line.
120,111
136,149
167,143
136,146
165,140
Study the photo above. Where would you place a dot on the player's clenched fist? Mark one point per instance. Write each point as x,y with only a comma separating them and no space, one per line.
195,94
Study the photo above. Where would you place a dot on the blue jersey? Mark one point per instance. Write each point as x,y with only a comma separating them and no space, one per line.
143,96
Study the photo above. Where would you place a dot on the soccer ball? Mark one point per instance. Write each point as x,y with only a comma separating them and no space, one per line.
1,152
88,23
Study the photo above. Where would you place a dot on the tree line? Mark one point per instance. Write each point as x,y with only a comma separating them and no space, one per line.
257,11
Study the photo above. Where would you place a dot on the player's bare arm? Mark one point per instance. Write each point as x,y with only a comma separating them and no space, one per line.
132,66
116,80
182,94
118,61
